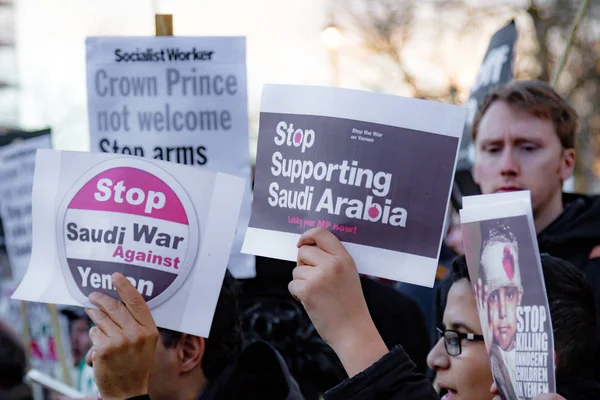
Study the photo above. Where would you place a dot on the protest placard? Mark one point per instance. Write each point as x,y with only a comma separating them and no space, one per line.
506,273
9,136
178,99
168,228
17,162
374,169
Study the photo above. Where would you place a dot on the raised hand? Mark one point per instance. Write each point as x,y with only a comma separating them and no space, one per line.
124,342
327,284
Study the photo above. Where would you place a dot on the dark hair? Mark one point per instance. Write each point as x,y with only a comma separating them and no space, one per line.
460,269
572,310
573,314
225,342
13,363
538,99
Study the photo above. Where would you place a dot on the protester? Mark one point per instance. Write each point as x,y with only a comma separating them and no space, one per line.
574,326
131,357
13,366
82,375
326,282
524,136
79,338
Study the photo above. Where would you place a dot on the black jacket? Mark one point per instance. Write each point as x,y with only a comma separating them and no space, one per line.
270,313
393,377
578,389
259,373
574,234
572,237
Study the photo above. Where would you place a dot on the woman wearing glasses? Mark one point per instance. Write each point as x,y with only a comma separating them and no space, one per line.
461,360
327,284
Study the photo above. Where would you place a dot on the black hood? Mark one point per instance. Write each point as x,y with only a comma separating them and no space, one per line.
576,231
259,373
578,389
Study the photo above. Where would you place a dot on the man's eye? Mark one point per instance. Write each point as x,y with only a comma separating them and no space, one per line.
529,147
492,149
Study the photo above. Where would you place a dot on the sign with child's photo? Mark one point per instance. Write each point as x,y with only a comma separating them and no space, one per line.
374,169
506,274
167,228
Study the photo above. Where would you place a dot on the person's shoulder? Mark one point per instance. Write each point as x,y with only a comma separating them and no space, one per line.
575,234
391,377
260,372
579,388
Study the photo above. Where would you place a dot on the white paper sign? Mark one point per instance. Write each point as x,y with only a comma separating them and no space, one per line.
168,228
505,271
374,169
17,162
178,99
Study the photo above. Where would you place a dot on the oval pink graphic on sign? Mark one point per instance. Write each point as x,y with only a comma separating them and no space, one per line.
133,219
130,191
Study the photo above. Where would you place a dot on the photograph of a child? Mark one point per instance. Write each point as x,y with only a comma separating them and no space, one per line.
506,276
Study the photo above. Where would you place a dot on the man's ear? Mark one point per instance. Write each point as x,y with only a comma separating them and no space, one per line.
190,351
567,165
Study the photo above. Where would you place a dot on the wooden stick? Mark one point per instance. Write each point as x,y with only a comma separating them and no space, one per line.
561,63
163,24
26,338
59,344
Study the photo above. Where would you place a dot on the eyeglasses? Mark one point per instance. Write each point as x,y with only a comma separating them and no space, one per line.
453,340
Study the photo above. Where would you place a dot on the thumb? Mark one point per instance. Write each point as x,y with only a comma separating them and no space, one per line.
88,357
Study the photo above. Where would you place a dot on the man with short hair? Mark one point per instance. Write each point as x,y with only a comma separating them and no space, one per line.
82,376
132,358
524,136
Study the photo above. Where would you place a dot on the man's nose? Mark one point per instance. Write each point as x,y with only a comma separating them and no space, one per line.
509,163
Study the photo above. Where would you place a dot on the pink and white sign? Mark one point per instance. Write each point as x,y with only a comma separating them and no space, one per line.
127,217
168,228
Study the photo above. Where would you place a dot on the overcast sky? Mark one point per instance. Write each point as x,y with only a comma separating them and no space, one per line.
283,39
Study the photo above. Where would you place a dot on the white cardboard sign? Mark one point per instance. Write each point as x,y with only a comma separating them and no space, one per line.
374,169
178,99
168,228
17,162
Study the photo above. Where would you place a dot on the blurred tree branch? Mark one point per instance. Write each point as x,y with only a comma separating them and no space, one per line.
386,28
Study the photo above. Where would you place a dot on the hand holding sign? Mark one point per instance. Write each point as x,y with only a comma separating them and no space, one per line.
327,283
97,214
124,341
